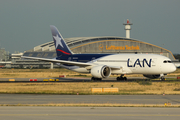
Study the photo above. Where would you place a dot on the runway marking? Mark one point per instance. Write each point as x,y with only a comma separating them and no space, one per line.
11,80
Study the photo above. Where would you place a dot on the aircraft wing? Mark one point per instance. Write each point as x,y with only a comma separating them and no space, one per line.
80,64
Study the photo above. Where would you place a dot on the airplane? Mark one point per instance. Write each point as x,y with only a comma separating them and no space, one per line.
103,65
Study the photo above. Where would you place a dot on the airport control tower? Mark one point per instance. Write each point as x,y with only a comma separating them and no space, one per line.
127,28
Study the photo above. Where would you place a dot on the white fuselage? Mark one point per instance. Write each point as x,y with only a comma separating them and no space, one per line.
134,64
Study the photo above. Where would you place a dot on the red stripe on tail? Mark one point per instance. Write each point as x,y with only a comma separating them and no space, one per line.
63,51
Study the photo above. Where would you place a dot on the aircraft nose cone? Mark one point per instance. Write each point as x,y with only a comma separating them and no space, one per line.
173,68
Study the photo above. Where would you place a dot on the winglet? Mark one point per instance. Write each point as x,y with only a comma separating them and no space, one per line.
60,45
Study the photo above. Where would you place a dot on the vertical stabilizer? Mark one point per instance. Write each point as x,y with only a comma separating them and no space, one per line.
60,45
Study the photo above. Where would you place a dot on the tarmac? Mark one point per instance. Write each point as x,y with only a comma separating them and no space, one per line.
15,99
16,112
88,113
80,79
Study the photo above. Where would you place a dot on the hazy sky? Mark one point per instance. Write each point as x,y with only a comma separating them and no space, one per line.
25,24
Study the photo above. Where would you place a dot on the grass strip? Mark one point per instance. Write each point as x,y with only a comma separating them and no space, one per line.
125,88
45,73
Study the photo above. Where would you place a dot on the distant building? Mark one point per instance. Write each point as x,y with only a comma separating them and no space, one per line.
112,45
4,58
2,54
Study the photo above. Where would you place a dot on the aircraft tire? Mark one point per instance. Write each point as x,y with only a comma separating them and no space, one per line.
121,78
118,78
163,79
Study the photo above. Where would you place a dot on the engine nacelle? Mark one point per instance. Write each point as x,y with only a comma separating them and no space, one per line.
101,71
152,76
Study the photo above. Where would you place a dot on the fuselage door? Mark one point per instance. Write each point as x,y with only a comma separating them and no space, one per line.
154,62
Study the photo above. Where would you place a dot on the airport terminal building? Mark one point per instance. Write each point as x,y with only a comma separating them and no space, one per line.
112,45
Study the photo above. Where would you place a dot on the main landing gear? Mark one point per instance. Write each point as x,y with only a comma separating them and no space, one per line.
96,79
121,78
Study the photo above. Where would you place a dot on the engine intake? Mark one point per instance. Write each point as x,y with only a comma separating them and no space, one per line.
101,71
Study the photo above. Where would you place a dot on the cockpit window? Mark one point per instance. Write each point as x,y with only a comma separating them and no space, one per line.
167,61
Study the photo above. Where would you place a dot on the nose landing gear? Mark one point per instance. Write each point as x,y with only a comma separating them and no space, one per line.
162,78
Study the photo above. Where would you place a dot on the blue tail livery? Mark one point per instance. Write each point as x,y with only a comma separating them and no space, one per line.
61,47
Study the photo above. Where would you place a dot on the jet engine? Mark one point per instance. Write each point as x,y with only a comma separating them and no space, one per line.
101,71
152,76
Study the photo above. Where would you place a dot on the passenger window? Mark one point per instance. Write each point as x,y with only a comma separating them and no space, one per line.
69,59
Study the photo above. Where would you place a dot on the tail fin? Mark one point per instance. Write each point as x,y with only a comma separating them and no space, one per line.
60,45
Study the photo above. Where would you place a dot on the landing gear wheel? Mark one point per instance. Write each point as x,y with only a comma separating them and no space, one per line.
121,78
162,79
118,78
